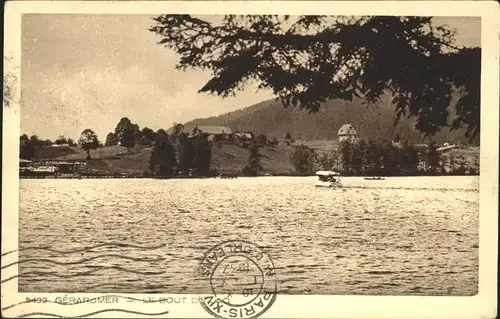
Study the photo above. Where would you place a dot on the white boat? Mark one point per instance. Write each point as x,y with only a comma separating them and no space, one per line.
328,179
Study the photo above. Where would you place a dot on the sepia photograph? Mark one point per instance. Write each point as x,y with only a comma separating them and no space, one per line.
245,157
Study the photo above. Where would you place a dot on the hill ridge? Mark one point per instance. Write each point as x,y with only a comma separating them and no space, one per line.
370,121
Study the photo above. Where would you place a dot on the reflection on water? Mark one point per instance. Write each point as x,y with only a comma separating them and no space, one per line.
412,236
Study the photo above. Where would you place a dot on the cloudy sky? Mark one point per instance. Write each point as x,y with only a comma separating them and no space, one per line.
88,71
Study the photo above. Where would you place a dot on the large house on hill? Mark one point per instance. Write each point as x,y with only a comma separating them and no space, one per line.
214,133
347,133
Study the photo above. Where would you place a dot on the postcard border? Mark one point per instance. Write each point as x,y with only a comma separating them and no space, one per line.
290,306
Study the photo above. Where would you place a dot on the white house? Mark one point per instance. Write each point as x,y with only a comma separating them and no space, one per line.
347,133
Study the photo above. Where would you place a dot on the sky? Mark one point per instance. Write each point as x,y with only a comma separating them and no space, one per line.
88,71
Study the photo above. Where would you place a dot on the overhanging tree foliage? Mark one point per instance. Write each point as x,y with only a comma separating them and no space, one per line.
306,60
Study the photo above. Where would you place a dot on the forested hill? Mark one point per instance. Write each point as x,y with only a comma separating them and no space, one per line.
375,121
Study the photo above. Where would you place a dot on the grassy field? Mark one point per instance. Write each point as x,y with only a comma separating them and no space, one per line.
76,153
231,158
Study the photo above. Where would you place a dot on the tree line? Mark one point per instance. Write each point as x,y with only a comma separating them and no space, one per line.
29,144
176,153
180,154
384,158
171,154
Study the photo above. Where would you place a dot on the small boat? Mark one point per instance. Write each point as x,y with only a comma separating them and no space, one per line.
328,179
375,178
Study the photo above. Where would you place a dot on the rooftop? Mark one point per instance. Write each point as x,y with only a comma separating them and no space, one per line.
245,135
215,129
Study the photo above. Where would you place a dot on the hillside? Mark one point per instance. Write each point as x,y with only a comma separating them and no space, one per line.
227,158
375,121
76,153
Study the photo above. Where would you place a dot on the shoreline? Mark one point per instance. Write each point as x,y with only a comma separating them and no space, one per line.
219,177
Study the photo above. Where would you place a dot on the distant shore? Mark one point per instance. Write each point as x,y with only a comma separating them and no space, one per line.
227,159
221,177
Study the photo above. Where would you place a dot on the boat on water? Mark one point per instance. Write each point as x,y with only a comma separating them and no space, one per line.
375,178
328,179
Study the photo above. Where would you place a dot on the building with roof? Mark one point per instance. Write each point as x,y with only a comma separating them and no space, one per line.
347,133
214,133
49,167
243,136
242,139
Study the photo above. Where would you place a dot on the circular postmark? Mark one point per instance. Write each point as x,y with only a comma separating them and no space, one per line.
242,280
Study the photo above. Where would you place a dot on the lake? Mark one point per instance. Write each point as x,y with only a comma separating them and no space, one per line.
399,236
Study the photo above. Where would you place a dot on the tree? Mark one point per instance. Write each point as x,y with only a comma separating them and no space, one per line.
461,170
307,60
372,158
148,136
27,149
177,129
162,161
390,158
346,157
61,140
303,159
326,161
362,156
261,139
111,139
202,155
451,163
23,138
128,134
186,152
253,166
357,153
433,157
161,133
71,142
37,141
409,159
127,137
88,141
122,125
137,133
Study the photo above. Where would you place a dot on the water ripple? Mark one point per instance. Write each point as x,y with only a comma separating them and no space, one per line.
420,233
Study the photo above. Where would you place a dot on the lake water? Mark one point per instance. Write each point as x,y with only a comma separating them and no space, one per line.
399,236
